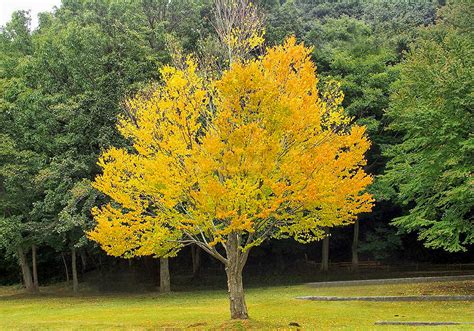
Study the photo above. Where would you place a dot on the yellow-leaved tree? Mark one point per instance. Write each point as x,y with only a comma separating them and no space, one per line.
257,154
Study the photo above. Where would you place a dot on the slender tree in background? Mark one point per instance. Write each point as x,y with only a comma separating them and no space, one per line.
196,260
239,25
73,220
355,246
325,253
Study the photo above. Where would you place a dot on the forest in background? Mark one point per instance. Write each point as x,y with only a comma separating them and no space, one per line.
405,68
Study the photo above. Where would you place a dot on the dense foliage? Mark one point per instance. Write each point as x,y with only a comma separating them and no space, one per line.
404,67
430,167
214,164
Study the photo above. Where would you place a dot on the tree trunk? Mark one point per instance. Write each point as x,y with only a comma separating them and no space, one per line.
66,270
355,246
196,257
325,254
165,284
234,267
35,269
25,270
83,261
75,282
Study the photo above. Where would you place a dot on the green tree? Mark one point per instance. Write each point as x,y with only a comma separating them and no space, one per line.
62,88
19,158
348,50
87,57
397,21
18,232
430,171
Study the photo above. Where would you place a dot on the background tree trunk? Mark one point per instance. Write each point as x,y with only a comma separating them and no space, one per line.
196,257
165,283
234,267
35,268
83,261
325,254
25,270
66,270
75,282
355,246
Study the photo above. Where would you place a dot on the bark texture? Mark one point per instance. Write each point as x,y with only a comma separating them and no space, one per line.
325,254
196,257
25,270
234,268
66,270
83,261
165,283
355,246
35,268
75,282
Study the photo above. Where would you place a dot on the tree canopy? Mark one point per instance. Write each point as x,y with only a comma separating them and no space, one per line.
213,162
430,168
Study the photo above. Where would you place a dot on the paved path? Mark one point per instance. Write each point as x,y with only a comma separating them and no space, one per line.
391,281
392,298
420,323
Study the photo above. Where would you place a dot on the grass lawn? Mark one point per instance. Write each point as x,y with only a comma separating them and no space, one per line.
273,307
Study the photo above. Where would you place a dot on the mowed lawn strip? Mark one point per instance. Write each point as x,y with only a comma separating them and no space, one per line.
272,307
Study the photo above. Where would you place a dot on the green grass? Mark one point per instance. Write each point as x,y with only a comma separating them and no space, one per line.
270,308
